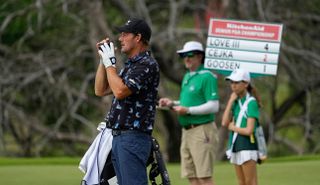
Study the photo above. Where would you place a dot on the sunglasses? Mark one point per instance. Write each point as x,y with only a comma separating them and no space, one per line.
188,54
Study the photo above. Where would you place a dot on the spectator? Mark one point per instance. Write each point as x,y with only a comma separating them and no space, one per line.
241,117
196,107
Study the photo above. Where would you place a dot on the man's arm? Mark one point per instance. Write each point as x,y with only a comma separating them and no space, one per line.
101,85
209,107
119,89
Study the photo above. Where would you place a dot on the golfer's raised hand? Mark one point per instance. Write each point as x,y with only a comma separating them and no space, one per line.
106,52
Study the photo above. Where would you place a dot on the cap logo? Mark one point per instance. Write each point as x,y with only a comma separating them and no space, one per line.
128,22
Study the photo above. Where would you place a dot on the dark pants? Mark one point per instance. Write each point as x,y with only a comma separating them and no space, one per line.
130,152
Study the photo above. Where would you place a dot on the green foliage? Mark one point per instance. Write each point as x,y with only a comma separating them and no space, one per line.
294,133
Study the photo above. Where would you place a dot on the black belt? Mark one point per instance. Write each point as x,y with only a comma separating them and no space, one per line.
187,127
119,132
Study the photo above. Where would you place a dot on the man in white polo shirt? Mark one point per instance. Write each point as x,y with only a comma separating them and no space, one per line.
196,107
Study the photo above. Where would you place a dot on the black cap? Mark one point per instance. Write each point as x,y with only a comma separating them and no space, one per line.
136,26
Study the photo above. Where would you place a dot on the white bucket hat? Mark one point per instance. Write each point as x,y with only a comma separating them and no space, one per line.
191,46
239,75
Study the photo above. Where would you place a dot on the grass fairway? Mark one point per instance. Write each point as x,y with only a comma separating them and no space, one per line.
63,171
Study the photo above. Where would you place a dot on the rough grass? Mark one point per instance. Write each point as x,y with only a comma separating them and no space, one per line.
64,171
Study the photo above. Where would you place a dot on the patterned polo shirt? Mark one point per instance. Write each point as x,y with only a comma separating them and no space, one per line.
137,111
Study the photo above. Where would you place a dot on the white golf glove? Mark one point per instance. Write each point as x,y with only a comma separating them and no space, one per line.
107,56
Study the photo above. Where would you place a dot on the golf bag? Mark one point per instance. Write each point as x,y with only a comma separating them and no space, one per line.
155,160
108,175
157,165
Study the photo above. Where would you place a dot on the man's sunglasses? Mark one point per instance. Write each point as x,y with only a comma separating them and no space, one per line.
188,54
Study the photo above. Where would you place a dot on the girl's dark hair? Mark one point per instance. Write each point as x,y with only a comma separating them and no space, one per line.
253,91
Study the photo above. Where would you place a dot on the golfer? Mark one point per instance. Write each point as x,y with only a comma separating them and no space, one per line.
133,108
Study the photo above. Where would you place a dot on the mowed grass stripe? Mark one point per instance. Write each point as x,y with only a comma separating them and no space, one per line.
287,172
